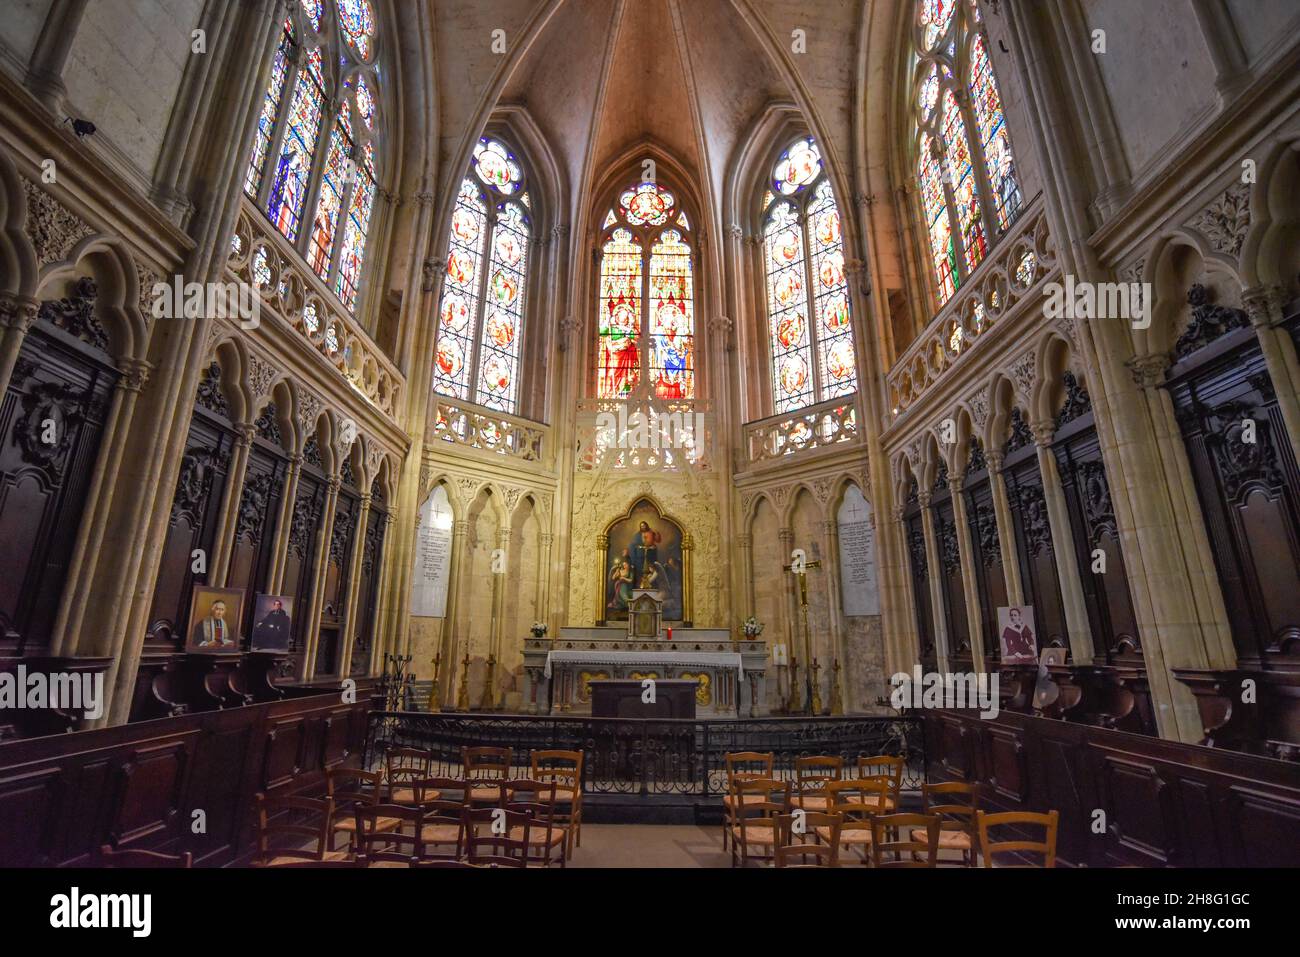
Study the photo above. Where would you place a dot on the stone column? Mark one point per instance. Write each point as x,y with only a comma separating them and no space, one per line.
688,577
65,639
1006,528
449,638
319,565
223,542
941,637
45,74
1264,306
17,316
351,619
793,626
1067,564
283,525
543,576
839,650
970,586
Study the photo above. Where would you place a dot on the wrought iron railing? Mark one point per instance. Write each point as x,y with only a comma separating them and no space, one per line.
643,756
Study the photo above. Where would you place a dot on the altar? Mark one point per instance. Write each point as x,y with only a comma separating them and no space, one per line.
729,675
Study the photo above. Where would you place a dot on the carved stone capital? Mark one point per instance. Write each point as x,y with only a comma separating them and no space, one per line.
1044,431
246,431
18,312
923,496
1148,370
560,232
722,327
1263,304
334,483
994,458
569,327
735,232
955,483
135,373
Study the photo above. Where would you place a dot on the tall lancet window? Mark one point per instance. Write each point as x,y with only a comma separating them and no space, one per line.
810,325
481,316
646,322
312,171
965,170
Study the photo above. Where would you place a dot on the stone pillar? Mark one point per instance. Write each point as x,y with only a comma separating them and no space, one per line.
449,639
543,576
793,626
747,572
1006,529
602,542
351,603
319,565
839,649
1067,564
17,316
283,525
65,639
223,541
45,74
1264,306
970,586
941,637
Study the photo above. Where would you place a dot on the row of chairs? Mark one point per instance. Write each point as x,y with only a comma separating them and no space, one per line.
404,814
765,816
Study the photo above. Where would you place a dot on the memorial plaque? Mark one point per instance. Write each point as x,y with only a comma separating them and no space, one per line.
432,557
858,584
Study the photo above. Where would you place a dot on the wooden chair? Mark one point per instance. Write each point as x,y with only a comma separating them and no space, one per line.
444,862
1046,847
115,859
497,837
565,768
957,831
485,769
744,766
378,845
896,834
547,835
348,787
403,765
443,801
812,774
814,824
888,766
754,810
856,801
291,830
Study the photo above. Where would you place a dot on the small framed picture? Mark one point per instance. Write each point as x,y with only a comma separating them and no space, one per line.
1016,634
1053,656
272,623
215,614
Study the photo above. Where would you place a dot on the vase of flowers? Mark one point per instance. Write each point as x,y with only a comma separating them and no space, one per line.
753,628
538,629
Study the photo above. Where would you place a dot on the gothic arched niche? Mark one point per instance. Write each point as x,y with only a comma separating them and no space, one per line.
645,549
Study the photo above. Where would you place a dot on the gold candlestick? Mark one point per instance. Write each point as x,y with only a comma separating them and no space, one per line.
487,702
792,705
816,689
837,700
435,697
462,693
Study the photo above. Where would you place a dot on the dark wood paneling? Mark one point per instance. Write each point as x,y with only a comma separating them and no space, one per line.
138,785
1161,802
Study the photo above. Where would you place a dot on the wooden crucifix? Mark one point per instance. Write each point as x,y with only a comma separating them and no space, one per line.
799,566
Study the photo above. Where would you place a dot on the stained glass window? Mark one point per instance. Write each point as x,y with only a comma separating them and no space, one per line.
646,306
326,55
964,164
481,315
270,114
810,324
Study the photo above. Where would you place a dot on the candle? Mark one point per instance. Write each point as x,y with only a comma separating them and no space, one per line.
670,634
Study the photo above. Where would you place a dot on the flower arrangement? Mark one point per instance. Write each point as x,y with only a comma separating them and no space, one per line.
538,629
753,627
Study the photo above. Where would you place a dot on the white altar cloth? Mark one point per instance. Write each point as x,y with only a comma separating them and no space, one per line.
715,659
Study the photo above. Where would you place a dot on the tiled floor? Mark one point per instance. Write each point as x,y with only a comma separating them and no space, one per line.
650,845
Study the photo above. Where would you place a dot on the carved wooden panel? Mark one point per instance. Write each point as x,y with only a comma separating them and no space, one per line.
915,531
371,565
990,579
1034,546
255,525
51,425
150,786
1248,485
950,579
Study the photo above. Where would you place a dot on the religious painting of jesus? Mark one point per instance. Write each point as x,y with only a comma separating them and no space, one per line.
644,551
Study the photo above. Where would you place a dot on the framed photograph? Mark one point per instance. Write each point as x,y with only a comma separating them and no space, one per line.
215,614
1053,656
272,623
1016,634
